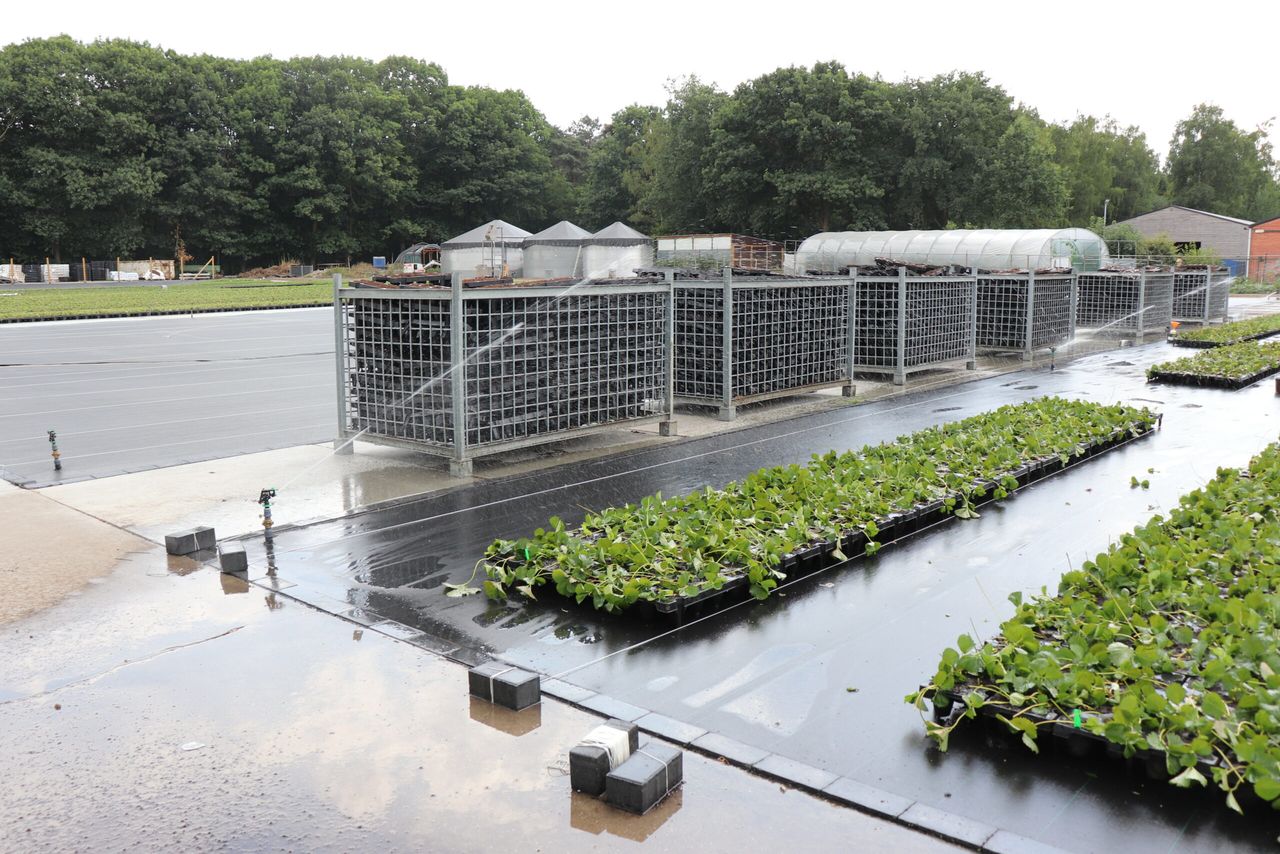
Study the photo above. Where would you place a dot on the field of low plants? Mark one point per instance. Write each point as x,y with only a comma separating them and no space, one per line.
666,548
1230,333
1165,646
1231,366
126,300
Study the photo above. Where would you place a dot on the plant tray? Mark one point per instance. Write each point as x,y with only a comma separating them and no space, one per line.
820,554
1209,345
1211,380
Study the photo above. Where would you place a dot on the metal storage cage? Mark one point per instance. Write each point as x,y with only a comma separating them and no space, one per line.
1201,295
466,372
1025,312
1124,302
908,323
749,339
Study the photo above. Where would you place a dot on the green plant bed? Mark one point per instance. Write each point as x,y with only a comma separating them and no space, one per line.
124,300
1229,333
1233,366
778,520
1166,647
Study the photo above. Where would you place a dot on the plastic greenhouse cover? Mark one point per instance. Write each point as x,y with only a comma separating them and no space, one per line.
988,249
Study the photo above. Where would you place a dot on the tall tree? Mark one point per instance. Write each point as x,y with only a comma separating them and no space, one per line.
1216,166
1026,188
802,150
1104,163
613,166
675,196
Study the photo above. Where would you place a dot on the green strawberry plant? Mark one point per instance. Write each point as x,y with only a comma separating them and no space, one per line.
660,549
1234,332
1169,641
1233,362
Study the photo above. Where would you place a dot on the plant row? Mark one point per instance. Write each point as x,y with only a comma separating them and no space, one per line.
1165,646
1230,333
663,549
1230,366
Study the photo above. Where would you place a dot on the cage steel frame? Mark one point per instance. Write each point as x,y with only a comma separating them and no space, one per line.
1201,296
749,340
535,364
1025,312
904,324
1125,303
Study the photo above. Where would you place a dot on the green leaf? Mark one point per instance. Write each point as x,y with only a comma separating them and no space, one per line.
1267,788
1187,777
463,589
1213,705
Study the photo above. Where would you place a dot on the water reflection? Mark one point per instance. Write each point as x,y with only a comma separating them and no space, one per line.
592,815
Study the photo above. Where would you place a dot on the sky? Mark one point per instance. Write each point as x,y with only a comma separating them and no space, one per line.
1144,63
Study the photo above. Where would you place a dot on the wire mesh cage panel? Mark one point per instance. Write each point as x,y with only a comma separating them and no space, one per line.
783,337
1024,312
1201,296
903,324
1124,302
497,368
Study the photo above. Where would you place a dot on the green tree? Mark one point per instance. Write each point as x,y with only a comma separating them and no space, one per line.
802,150
615,162
1216,166
1101,163
1026,188
675,196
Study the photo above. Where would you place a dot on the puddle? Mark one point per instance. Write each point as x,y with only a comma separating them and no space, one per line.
949,409
1025,387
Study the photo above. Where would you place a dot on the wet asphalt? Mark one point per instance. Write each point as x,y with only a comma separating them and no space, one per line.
818,673
140,393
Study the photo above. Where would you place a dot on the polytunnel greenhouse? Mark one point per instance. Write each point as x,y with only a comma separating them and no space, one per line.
985,249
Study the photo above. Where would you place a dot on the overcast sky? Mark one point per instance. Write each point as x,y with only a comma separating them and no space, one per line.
1144,63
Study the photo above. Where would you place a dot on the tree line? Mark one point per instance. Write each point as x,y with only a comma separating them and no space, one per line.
117,148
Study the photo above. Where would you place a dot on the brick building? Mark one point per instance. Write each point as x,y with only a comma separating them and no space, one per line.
1264,252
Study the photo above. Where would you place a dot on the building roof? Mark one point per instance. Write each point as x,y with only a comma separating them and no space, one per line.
511,235
563,233
618,234
1274,219
1236,220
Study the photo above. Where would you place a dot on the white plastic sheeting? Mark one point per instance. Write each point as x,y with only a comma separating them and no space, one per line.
485,249
615,252
986,249
555,252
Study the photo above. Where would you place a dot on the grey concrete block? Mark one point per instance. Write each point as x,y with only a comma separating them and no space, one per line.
732,749
670,728
948,825
1005,842
640,783
610,707
233,558
589,763
867,797
189,542
504,685
795,773
565,691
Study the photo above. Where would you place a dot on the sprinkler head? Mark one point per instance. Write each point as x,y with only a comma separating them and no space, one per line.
264,498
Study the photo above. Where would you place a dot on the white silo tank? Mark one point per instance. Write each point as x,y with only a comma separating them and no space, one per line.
615,252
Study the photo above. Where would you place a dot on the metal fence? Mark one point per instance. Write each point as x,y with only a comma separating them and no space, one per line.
749,340
1025,312
908,323
465,372
1124,303
1201,296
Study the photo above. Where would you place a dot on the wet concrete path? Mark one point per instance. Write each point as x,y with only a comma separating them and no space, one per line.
174,708
776,675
